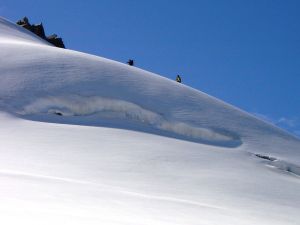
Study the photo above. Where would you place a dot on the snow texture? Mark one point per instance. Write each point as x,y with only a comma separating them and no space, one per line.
87,140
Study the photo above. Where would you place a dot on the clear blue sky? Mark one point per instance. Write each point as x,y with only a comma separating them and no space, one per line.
246,53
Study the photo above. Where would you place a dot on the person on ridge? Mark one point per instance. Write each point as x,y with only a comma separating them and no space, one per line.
178,79
130,62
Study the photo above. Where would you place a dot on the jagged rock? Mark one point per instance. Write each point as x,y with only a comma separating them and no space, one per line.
39,31
58,42
24,23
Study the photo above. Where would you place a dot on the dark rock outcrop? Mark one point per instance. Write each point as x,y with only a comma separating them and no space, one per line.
38,29
56,41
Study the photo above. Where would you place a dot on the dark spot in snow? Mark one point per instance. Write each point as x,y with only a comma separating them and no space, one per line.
265,157
281,164
58,113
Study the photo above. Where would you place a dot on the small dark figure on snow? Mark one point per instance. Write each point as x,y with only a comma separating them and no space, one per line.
130,62
178,79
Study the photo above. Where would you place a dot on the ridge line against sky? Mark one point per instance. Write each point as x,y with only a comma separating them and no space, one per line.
243,52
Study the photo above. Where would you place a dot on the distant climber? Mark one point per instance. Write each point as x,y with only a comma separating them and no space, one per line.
130,62
38,29
178,79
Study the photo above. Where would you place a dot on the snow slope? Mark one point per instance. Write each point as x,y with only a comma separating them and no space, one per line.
86,140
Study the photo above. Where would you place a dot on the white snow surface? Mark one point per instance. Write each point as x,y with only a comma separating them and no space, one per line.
87,140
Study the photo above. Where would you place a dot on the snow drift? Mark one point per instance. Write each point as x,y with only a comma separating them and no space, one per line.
108,109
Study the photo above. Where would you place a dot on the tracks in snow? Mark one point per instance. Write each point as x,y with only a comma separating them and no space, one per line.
102,187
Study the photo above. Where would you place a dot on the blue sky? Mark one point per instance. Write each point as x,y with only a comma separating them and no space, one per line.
246,53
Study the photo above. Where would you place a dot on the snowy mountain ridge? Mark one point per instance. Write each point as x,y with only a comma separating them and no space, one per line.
89,87
132,138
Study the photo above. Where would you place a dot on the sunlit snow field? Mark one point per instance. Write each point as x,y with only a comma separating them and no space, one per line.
86,140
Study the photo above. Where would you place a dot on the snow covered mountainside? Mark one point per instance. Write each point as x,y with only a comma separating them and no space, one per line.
87,140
